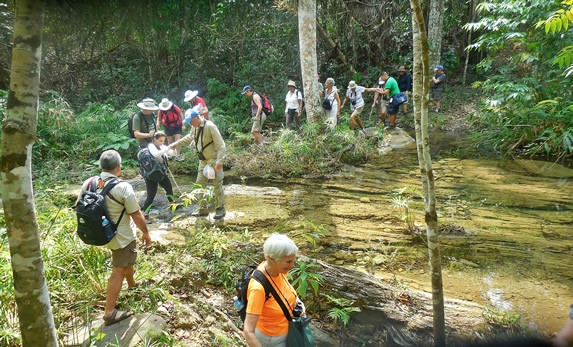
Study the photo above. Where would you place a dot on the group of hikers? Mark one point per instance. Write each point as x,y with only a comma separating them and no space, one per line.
266,321
390,95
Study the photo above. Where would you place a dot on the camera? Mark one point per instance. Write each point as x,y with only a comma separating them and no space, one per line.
353,102
298,309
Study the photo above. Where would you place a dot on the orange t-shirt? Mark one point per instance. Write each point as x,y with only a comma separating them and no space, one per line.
272,321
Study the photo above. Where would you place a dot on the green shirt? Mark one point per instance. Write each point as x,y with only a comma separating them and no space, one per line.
392,85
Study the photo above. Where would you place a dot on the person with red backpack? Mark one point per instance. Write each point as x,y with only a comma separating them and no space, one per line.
171,117
260,108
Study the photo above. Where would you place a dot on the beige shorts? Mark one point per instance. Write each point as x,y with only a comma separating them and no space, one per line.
382,105
124,257
357,111
258,122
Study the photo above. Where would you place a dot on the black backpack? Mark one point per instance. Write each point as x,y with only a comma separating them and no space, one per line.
250,271
95,227
150,167
130,126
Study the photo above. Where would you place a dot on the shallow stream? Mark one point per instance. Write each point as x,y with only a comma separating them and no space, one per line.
506,227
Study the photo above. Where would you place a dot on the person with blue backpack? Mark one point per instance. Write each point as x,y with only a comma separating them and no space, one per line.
155,171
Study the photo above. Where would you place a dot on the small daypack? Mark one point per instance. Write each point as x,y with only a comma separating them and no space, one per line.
150,167
130,126
267,106
249,271
172,117
95,227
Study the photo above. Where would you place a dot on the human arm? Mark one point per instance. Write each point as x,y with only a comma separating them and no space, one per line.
139,221
258,103
137,131
337,97
159,117
249,326
299,105
185,140
344,102
219,145
157,153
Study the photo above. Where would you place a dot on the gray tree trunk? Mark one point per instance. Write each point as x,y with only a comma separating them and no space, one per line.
18,134
435,26
308,59
421,91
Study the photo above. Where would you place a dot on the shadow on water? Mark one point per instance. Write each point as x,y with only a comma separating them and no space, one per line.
506,226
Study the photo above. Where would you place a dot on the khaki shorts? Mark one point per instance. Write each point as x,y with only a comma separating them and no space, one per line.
357,111
258,122
382,104
124,257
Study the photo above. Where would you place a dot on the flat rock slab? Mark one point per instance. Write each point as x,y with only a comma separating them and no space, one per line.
128,332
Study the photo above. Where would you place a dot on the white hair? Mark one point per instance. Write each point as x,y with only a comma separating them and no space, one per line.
278,246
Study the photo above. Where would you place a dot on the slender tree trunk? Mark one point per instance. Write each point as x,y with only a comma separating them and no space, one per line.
421,92
469,41
435,25
18,134
308,64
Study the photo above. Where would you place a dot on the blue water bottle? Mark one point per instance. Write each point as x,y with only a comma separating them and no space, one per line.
238,303
104,222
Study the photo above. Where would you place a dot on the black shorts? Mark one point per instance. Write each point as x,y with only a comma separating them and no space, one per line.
174,131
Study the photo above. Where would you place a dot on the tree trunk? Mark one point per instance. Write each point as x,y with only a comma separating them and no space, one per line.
435,26
308,64
421,91
473,4
18,134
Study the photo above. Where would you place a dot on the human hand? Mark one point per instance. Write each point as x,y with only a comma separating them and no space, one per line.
146,239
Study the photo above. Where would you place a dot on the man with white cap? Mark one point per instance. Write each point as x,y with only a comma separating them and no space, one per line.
171,117
438,85
354,94
144,123
211,150
197,102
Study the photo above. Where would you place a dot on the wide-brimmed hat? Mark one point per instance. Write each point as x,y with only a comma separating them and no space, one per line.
291,83
148,104
245,89
351,84
190,94
189,115
165,104
402,69
439,67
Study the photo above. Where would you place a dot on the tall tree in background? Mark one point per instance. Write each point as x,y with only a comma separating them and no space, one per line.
18,134
435,28
308,60
421,92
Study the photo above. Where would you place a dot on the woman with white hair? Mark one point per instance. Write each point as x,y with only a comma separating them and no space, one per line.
265,323
331,102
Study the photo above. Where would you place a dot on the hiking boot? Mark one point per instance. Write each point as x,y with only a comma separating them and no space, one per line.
220,213
363,132
179,158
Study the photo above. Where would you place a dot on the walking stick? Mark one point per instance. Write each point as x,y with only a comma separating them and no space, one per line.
174,181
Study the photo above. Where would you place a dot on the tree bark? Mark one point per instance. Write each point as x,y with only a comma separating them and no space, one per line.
435,28
421,91
18,134
308,59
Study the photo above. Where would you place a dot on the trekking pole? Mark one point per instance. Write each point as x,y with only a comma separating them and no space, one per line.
174,181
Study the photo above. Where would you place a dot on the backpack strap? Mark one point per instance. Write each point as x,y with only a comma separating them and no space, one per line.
262,279
109,185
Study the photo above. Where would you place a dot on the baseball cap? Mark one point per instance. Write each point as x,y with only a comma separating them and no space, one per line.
246,89
189,115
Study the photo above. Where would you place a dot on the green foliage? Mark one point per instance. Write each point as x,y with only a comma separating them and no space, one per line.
304,278
527,106
341,310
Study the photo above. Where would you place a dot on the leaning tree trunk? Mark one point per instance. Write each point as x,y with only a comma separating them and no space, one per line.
421,88
435,26
308,64
18,134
